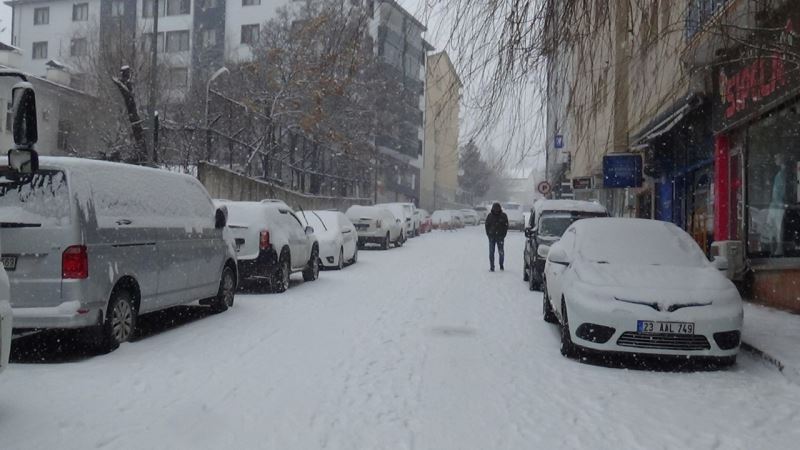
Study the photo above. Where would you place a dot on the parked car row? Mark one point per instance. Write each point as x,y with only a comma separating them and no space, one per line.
629,286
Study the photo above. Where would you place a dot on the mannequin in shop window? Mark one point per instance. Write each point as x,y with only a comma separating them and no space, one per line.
777,206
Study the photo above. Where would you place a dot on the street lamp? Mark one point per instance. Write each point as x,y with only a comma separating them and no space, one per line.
214,76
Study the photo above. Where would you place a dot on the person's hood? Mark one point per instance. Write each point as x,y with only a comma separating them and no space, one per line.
496,209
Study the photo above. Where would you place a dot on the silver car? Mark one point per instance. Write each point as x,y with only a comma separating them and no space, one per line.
96,244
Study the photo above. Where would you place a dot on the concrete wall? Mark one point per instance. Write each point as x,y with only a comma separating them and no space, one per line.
225,184
440,167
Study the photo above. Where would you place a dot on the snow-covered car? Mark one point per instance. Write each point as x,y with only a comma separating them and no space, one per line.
425,224
639,286
376,225
547,222
457,218
337,237
404,212
95,244
516,217
442,220
482,211
470,216
271,243
5,315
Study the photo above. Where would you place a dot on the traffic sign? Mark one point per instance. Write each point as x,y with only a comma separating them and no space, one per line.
543,187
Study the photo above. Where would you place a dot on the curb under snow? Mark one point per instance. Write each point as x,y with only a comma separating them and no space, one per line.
790,373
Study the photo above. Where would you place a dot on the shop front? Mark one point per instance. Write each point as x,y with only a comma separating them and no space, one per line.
756,119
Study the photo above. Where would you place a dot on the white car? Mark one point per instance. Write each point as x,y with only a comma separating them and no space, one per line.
442,220
470,216
404,212
376,225
639,286
516,216
337,237
271,243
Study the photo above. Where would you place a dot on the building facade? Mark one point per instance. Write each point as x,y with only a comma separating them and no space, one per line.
440,187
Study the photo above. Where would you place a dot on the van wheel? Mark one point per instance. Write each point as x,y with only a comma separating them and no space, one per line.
120,322
227,289
311,272
280,279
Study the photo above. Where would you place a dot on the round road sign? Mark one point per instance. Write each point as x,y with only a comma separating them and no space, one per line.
543,188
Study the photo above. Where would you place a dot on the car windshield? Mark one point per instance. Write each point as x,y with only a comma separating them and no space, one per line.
39,202
554,225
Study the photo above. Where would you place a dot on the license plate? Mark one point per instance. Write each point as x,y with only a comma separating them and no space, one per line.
361,226
654,326
9,262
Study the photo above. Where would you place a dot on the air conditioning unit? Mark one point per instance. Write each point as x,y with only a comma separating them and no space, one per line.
733,252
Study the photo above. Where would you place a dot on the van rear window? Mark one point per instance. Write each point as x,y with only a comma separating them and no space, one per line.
40,200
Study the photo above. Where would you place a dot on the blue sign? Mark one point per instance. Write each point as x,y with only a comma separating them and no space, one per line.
559,141
621,171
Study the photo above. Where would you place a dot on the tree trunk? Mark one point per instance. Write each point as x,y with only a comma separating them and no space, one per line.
125,86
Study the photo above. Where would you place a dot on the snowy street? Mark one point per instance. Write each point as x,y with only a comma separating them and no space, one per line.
416,347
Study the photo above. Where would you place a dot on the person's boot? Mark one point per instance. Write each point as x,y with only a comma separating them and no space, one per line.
501,267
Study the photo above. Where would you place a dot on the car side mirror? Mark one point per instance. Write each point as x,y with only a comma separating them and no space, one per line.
309,231
720,263
220,218
543,250
558,256
23,161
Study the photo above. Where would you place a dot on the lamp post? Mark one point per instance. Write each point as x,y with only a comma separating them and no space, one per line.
214,76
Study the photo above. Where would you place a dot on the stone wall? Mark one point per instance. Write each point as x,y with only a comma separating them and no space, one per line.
228,185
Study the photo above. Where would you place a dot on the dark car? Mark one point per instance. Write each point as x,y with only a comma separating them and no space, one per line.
548,221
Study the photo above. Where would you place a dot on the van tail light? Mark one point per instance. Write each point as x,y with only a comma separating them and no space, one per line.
378,223
75,263
263,240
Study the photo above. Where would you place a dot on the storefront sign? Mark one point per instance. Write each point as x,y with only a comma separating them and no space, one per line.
622,170
759,74
582,183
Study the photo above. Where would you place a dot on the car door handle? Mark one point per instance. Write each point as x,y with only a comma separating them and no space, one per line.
124,222
346,231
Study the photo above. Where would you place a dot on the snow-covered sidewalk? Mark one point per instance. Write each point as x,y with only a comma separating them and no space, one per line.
775,336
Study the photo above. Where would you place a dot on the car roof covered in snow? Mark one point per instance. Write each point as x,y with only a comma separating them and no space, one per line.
568,205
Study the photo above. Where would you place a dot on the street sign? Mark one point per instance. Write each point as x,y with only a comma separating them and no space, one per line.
543,187
579,183
558,142
622,170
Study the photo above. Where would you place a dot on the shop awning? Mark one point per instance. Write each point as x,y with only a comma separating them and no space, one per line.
666,121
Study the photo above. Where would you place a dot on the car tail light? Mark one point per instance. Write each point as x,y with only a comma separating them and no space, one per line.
75,263
378,223
263,240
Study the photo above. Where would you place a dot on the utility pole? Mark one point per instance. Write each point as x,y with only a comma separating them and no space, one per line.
151,107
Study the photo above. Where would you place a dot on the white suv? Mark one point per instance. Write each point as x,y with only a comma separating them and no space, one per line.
271,243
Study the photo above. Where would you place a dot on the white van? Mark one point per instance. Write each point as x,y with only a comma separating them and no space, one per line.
95,244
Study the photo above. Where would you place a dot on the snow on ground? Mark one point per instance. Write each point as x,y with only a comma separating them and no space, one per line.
776,333
418,347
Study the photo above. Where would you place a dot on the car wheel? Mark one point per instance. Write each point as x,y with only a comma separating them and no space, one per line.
341,259
547,309
568,348
120,322
227,290
385,243
400,240
280,279
355,256
311,272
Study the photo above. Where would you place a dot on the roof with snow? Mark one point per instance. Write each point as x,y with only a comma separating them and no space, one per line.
568,205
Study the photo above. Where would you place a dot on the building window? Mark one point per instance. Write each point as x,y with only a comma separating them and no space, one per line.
250,34
78,47
179,77
251,2
40,50
117,8
41,16
177,41
209,38
147,8
64,132
148,39
177,7
80,12
370,8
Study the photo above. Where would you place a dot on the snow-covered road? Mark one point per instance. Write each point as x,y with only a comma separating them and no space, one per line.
418,347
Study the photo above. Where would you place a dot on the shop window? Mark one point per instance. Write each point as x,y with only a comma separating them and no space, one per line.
773,198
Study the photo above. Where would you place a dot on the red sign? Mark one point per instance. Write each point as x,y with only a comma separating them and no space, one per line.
750,85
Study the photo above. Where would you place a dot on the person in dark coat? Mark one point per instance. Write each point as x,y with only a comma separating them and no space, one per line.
496,230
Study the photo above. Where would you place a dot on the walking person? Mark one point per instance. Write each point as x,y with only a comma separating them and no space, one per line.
496,230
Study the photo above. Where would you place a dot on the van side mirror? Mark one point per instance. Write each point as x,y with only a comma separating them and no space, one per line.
24,116
23,161
220,218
